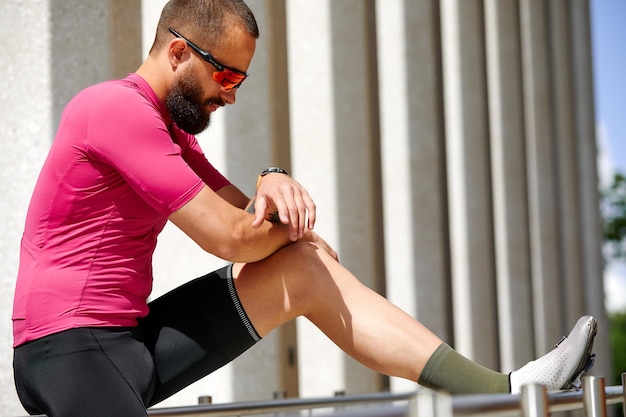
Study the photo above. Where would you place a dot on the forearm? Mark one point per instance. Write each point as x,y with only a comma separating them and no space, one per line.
234,196
226,231
251,244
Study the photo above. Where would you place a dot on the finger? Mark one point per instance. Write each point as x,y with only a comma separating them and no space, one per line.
310,208
288,215
297,212
260,205
301,210
258,220
298,205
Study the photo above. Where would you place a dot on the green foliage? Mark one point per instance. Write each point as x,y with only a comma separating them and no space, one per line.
614,222
618,345
614,216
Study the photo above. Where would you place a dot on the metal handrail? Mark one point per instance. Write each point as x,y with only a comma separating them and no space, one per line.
533,401
280,405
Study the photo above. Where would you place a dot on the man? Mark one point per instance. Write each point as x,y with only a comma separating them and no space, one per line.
125,161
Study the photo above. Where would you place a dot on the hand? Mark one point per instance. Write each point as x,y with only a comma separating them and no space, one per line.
281,193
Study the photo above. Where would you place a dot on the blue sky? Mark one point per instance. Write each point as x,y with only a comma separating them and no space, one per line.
608,24
608,20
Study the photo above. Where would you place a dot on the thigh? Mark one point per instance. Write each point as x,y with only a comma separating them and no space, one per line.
194,330
86,371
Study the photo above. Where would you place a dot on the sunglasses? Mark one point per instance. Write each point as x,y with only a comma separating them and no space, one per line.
227,77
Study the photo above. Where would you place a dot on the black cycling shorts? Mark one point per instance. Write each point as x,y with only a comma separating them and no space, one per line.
189,332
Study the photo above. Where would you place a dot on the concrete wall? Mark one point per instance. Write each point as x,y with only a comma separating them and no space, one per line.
449,146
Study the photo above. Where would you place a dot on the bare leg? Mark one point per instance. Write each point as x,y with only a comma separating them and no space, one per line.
302,280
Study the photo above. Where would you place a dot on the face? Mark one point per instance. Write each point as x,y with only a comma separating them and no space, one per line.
196,92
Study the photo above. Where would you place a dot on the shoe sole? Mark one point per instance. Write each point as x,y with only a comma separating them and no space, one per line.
586,360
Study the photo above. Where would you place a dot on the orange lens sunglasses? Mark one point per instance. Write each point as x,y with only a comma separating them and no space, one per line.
227,77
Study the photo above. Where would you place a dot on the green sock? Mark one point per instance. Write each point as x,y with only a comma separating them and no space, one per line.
450,371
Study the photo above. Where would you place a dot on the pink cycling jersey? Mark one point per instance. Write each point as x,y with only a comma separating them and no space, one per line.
116,170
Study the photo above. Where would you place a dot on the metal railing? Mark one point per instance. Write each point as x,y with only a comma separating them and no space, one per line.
534,401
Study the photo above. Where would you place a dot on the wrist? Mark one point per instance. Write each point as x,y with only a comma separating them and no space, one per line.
270,170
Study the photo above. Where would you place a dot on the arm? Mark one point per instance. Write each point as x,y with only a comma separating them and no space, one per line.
234,196
215,223
225,231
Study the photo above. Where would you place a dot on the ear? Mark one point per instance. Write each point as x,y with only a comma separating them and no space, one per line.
177,52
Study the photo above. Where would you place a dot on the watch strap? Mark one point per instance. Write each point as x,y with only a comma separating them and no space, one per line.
272,170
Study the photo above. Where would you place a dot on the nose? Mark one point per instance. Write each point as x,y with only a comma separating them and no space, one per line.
229,95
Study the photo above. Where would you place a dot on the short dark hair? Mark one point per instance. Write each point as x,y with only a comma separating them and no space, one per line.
206,22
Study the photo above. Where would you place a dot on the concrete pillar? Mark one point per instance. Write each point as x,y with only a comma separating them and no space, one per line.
93,41
510,208
27,130
413,164
566,161
589,184
335,155
541,176
469,191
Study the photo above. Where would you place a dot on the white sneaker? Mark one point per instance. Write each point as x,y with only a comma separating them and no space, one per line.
564,366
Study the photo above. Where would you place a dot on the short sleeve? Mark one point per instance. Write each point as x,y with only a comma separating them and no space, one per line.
127,132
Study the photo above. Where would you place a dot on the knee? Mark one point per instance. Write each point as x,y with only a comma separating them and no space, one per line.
306,255
306,267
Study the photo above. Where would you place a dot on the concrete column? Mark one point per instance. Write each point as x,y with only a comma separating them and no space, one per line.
125,37
541,176
335,155
566,160
469,191
413,162
27,130
91,42
587,160
506,128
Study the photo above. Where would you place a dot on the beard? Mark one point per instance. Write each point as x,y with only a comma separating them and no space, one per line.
185,105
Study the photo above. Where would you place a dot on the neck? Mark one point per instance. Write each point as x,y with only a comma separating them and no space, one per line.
157,80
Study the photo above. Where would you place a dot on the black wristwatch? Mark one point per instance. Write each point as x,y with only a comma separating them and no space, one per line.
273,169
